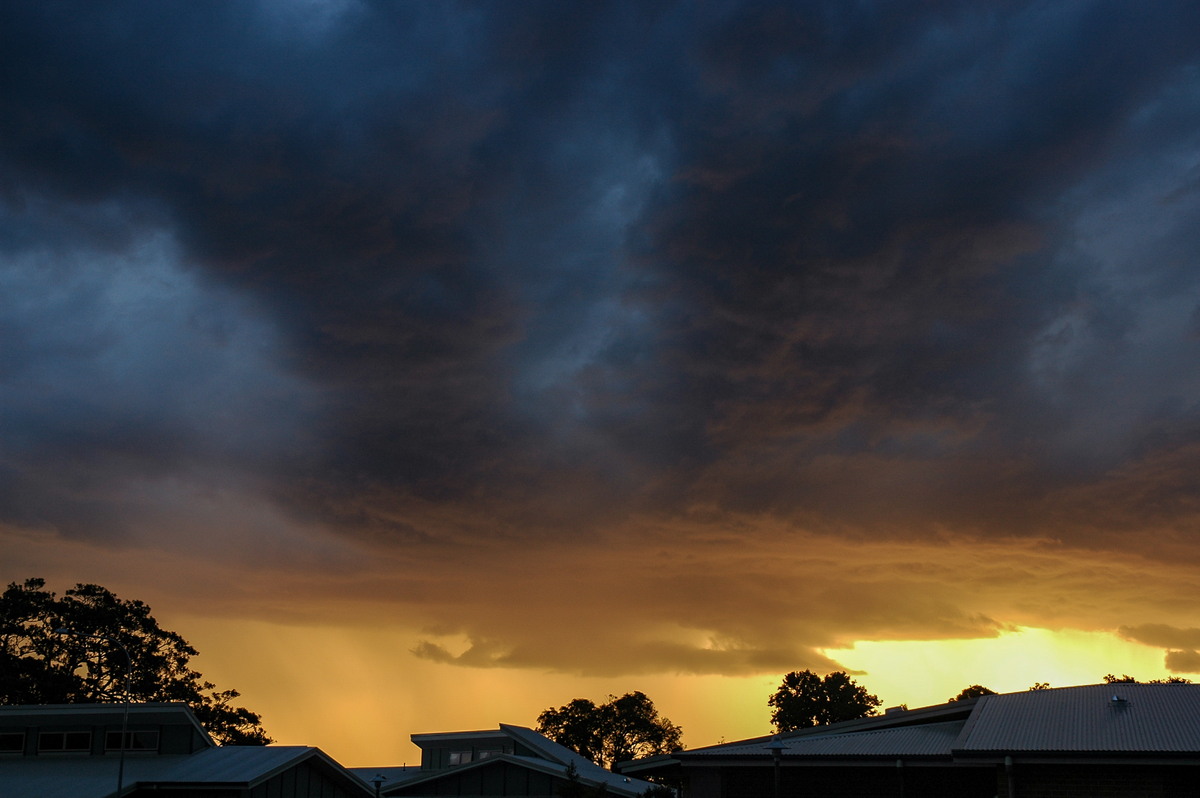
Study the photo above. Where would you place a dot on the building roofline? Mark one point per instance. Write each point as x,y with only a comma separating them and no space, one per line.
93,707
934,713
479,734
96,708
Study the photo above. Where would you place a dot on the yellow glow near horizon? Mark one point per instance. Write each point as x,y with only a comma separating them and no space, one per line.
359,693
921,673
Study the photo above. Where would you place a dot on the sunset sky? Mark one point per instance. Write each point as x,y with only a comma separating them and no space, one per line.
427,365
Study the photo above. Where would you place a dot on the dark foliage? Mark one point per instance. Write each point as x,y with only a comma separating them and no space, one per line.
1127,679
973,691
804,699
74,649
621,729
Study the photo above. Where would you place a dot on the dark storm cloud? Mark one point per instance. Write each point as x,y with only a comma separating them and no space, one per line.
1159,634
428,274
1181,644
1183,661
885,276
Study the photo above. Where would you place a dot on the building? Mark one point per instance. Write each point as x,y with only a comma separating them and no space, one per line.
1094,741
74,751
508,761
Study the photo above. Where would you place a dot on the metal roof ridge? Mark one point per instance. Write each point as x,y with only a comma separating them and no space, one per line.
969,726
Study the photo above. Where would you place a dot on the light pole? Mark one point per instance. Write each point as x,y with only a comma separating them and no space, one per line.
124,705
378,782
776,747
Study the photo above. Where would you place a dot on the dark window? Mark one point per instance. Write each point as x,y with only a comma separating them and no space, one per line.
12,742
65,741
134,741
460,757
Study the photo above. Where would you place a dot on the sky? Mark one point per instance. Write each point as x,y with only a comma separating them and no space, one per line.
427,365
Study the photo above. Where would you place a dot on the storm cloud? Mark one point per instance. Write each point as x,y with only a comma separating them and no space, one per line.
642,316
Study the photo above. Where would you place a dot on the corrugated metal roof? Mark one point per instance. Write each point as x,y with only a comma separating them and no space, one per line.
1152,718
547,748
939,713
930,739
231,764
50,777
95,776
587,769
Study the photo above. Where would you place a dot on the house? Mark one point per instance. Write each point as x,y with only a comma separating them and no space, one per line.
74,751
1093,741
508,761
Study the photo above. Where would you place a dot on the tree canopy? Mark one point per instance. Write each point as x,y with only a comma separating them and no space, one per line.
805,699
73,650
618,730
1127,679
973,691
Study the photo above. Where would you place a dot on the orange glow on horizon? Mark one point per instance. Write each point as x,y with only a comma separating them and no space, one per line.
358,694
325,655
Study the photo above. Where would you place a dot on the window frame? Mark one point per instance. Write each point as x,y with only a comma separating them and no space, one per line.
66,735
149,738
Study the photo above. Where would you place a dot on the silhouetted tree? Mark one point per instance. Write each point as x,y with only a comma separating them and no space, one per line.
804,699
1040,686
1127,679
621,729
576,725
86,663
974,691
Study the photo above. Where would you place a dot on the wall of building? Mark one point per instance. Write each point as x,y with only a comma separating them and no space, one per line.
452,752
1101,781
500,778
306,780
883,781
